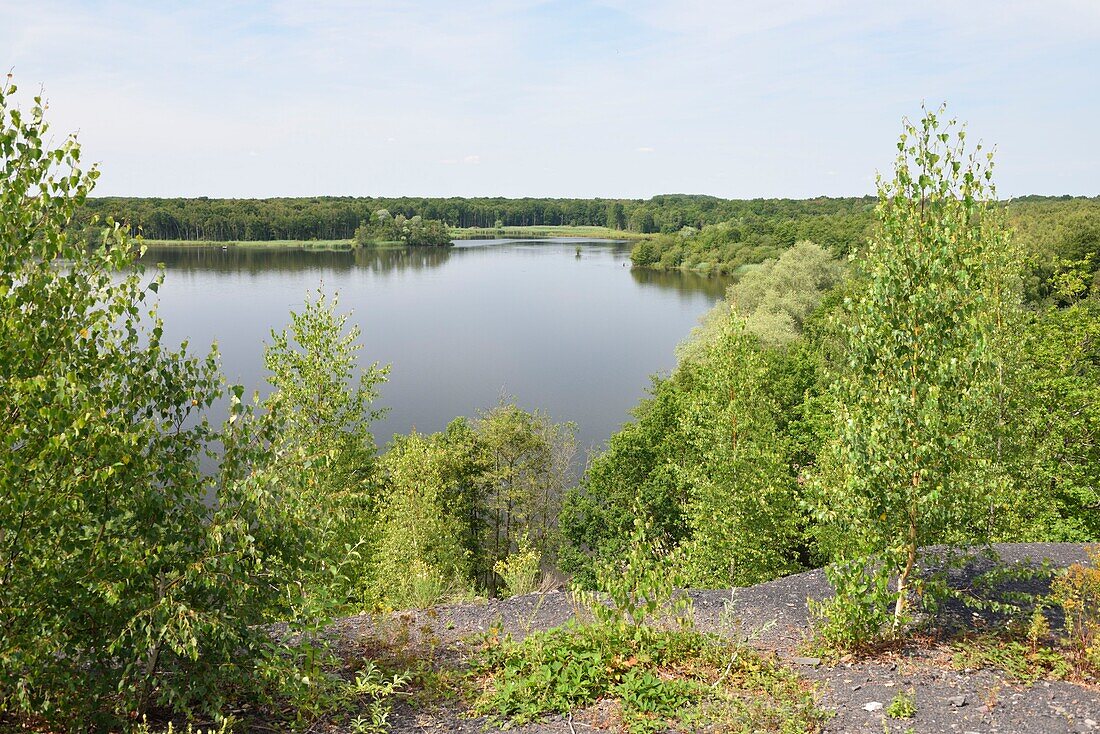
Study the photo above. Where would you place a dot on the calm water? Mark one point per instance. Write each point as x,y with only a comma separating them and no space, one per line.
577,337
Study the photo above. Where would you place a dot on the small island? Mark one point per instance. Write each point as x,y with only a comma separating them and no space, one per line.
383,229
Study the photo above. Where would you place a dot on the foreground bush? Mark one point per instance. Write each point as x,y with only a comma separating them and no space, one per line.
129,577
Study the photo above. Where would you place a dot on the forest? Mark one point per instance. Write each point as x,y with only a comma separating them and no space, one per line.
333,218
699,233
917,368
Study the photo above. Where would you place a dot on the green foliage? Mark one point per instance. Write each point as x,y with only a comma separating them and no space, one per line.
710,463
1021,660
420,552
903,706
737,245
131,577
660,679
520,570
377,691
1077,592
527,467
763,221
413,231
324,452
1047,440
641,587
457,503
905,467
741,480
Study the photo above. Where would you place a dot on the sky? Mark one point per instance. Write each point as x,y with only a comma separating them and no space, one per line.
571,98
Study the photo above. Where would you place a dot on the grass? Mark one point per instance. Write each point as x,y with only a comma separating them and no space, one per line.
654,679
542,232
1024,662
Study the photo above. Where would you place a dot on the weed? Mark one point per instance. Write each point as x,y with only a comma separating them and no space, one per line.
904,706
1023,661
657,678
1077,591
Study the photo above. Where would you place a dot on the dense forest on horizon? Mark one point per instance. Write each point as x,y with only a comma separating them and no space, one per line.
336,217
705,234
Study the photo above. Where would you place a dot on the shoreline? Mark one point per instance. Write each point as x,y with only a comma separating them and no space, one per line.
458,234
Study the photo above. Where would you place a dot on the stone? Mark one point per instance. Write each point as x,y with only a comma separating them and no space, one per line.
812,662
957,701
872,706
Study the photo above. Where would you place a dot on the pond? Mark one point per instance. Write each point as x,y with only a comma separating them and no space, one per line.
575,335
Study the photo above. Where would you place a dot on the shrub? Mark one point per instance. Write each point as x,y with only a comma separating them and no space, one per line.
520,571
123,587
1077,591
640,588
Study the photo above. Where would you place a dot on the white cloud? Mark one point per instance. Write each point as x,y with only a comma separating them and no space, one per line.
791,97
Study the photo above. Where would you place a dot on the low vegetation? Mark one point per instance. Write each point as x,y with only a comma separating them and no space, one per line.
640,653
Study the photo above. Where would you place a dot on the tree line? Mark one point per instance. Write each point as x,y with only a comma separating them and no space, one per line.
334,218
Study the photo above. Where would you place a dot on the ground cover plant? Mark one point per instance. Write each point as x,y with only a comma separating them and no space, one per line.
636,647
656,678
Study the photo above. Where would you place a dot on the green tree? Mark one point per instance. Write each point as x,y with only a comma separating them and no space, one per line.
129,576
322,405
616,216
906,464
421,553
774,299
742,508
528,460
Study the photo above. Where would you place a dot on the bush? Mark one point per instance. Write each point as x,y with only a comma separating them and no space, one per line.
124,587
520,571
1077,591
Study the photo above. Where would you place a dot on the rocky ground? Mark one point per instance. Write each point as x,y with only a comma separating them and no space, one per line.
773,617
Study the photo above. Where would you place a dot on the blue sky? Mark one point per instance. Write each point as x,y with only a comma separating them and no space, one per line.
571,98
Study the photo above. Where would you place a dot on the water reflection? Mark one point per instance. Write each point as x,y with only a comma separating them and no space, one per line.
395,260
257,259
686,283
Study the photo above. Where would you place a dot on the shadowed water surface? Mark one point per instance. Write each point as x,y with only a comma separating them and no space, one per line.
575,336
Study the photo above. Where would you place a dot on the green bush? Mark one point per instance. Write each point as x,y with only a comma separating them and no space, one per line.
520,570
123,587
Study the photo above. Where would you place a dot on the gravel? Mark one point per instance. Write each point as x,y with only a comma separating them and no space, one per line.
773,617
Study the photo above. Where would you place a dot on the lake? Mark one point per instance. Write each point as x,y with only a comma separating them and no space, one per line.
577,337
